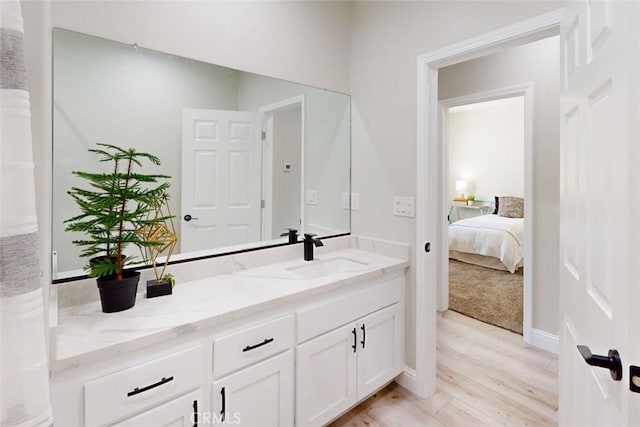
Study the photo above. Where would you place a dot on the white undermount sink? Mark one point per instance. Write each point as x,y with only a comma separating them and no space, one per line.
326,267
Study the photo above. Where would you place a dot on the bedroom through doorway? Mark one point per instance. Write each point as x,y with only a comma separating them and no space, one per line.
485,143
529,71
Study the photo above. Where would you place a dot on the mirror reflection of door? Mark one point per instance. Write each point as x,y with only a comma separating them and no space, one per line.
283,166
286,170
221,178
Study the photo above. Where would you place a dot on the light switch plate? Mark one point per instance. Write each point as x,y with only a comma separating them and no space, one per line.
404,206
311,197
355,201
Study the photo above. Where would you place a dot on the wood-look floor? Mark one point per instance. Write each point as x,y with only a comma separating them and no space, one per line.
486,377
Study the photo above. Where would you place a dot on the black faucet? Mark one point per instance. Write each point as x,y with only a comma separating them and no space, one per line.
309,243
293,235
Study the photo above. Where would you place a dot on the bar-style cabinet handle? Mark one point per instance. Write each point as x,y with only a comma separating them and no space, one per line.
224,403
139,390
195,413
253,347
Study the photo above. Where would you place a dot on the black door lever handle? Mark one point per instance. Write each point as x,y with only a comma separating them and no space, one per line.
612,361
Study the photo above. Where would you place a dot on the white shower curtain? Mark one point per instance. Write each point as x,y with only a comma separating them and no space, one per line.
24,376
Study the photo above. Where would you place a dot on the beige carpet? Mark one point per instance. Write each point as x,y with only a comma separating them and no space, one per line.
491,296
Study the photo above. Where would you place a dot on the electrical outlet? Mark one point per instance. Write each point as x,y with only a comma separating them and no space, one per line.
404,206
311,197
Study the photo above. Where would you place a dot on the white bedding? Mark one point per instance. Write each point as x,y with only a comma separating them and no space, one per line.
490,235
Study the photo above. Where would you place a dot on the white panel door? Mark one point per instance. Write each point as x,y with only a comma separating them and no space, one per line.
599,237
221,178
326,376
258,396
380,349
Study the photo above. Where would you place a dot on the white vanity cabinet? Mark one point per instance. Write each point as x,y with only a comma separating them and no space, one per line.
380,350
326,376
299,358
341,367
258,396
249,390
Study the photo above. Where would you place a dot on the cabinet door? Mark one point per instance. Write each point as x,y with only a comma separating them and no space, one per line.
380,349
258,396
326,376
180,412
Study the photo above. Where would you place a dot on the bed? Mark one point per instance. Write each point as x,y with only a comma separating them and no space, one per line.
489,241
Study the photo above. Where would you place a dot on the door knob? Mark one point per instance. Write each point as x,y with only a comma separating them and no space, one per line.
634,378
188,217
612,361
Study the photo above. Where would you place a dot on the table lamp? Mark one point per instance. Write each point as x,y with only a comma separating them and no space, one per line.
461,187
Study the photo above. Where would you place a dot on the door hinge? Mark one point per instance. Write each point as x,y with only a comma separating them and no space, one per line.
264,135
262,204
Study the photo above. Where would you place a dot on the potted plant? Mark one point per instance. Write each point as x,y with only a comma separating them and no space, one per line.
114,207
470,199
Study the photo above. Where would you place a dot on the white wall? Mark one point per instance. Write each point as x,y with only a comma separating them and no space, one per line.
386,39
536,63
286,184
486,148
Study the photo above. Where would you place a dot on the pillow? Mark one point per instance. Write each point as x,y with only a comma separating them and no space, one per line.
511,207
495,205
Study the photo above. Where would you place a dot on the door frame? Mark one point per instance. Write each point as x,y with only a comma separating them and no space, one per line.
267,160
431,200
526,91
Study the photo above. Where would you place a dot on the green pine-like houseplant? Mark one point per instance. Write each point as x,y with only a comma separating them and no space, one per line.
111,211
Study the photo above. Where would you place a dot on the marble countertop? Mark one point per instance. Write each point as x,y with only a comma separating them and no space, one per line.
85,333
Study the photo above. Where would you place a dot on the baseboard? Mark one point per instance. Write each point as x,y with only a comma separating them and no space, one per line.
407,379
545,340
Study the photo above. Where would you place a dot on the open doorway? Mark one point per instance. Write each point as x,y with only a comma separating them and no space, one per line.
484,140
432,201
283,166
533,70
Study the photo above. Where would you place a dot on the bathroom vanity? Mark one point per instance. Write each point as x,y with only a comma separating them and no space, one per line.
290,343
259,338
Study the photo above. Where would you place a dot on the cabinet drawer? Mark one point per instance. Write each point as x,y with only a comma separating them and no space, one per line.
317,319
143,386
183,411
243,348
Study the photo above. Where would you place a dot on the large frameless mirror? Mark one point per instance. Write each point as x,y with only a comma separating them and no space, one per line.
249,156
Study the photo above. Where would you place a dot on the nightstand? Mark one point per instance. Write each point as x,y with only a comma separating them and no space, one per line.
479,207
